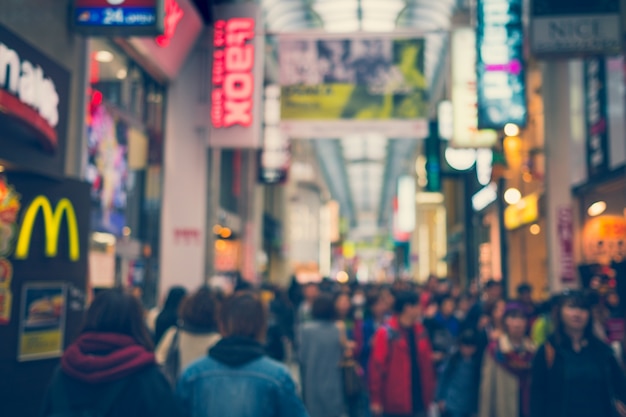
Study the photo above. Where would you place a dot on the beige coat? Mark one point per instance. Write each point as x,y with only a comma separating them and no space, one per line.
191,346
499,389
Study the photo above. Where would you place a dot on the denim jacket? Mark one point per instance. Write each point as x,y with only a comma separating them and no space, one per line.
261,387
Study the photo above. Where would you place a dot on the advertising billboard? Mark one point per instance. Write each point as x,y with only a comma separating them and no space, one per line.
500,65
339,84
119,17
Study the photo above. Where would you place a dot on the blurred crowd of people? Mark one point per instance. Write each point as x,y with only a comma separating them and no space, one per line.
359,351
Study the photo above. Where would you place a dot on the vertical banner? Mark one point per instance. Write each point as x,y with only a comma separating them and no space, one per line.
500,64
464,94
596,117
275,157
565,235
341,85
237,76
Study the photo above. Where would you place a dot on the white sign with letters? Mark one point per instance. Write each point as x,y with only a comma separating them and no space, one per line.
576,34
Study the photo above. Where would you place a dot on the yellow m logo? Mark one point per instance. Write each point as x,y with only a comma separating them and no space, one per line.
52,224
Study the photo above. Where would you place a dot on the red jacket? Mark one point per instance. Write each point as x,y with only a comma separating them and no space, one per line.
390,369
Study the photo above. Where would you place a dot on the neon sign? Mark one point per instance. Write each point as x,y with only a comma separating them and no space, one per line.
233,77
500,67
173,15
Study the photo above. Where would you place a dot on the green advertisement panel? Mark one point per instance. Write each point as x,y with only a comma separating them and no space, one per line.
352,79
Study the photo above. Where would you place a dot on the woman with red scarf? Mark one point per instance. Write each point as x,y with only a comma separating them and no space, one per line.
505,385
111,369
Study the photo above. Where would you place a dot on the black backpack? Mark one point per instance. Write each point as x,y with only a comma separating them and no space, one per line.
61,405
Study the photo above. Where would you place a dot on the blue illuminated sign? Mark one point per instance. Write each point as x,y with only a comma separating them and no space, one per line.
118,17
500,64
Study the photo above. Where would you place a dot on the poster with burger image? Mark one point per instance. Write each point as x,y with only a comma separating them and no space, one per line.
42,324
9,208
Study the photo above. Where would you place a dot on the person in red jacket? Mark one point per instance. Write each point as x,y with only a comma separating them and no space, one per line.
401,372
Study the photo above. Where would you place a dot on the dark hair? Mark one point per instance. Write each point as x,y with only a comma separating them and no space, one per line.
576,299
469,337
200,309
174,298
524,288
403,299
513,310
245,316
443,298
492,283
115,311
324,307
372,298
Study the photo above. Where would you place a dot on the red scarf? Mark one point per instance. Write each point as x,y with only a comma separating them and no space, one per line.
104,357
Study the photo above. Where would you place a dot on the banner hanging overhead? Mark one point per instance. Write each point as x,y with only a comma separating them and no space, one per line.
574,27
237,77
335,85
500,64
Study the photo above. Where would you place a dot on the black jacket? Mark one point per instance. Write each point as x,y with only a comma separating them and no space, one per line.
549,390
145,393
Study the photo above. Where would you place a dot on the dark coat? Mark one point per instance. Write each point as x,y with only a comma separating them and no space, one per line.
145,393
548,386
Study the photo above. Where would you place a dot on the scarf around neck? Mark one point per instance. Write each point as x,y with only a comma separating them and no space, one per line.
104,357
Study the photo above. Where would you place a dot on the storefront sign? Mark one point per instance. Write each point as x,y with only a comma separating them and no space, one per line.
566,27
464,94
596,116
565,233
604,239
500,64
526,211
236,77
42,321
118,17
34,94
52,220
227,253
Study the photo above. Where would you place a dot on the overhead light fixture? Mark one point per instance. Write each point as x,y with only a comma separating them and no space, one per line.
596,208
104,56
121,73
535,229
512,196
511,129
460,159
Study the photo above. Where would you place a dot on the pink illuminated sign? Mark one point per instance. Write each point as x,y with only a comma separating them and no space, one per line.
173,15
233,73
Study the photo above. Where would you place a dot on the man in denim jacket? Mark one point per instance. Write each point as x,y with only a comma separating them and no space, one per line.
236,379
